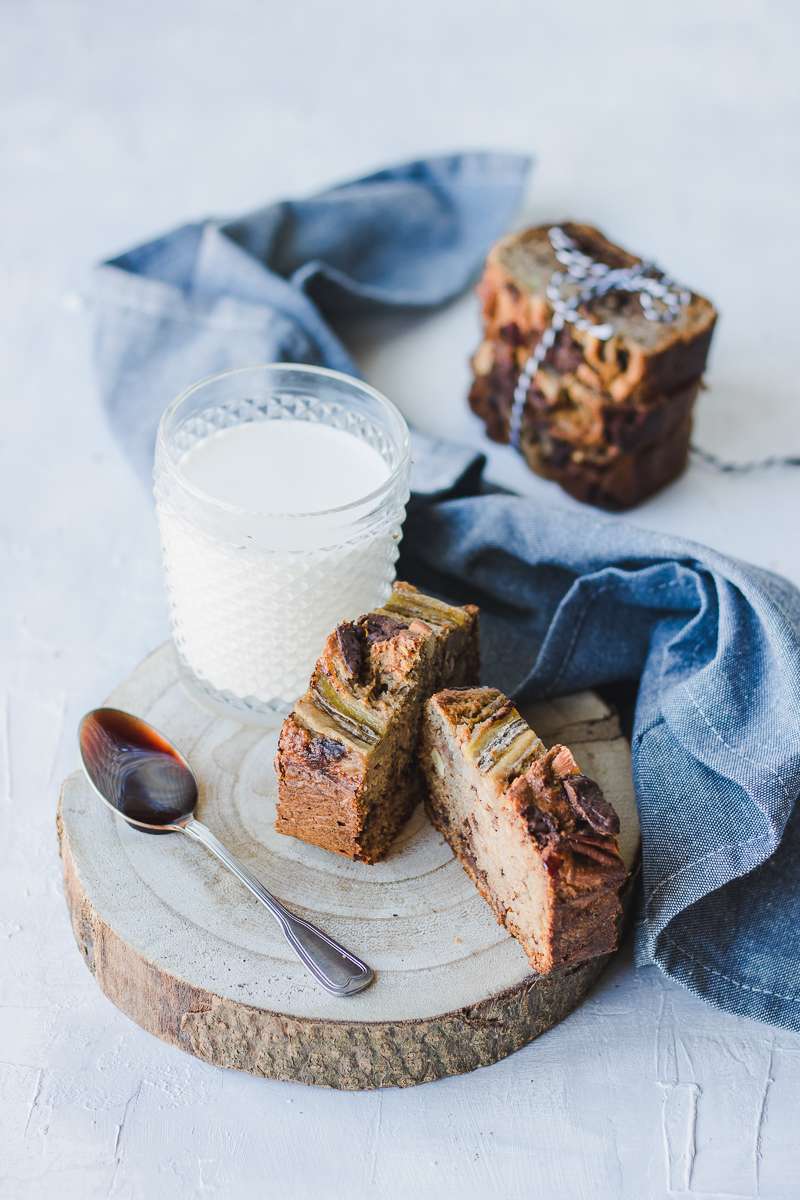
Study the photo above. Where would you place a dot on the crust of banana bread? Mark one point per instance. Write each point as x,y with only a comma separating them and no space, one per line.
347,773
535,835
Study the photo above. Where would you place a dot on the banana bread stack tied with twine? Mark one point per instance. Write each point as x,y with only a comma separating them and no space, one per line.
590,363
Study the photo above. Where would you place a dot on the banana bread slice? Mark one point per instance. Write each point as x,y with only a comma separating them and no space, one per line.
535,835
346,762
642,357
617,479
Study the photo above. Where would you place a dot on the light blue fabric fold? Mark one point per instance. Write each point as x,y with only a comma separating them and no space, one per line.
569,599
272,285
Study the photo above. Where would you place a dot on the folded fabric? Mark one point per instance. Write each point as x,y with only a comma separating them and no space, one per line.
266,287
570,600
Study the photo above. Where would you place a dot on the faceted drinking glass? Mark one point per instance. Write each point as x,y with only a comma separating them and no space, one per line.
253,594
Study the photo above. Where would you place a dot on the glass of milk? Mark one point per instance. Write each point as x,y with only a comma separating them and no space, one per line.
280,493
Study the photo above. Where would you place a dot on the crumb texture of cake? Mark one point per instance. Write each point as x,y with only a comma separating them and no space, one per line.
608,419
348,777
536,836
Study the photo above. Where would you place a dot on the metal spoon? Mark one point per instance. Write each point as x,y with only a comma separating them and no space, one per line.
144,779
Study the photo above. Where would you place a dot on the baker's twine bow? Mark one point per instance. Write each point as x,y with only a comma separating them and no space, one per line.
583,281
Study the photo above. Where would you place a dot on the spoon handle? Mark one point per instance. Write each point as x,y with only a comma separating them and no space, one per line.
339,971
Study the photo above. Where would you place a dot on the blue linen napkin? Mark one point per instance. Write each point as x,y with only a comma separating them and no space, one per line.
569,599
265,287
575,600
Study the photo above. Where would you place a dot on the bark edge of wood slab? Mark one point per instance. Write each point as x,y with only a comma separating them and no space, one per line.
191,959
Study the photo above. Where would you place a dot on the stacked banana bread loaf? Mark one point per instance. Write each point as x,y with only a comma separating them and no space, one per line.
610,420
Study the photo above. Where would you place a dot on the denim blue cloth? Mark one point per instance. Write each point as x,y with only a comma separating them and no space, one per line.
569,599
268,286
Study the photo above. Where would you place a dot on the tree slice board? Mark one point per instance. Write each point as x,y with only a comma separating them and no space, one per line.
180,946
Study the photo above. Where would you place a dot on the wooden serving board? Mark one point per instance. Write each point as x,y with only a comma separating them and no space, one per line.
181,947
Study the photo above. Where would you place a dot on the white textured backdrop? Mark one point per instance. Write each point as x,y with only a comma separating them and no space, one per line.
672,126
